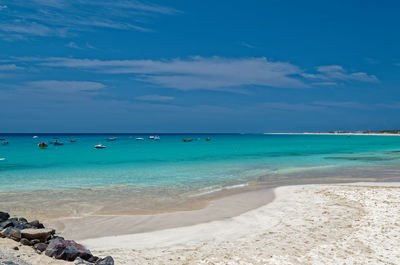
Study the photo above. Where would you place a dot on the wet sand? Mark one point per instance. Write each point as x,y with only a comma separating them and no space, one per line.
306,224
111,225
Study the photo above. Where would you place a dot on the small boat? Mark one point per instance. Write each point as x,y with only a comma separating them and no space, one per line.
157,137
184,140
190,139
35,137
73,140
99,146
42,145
139,139
2,139
111,139
208,139
151,137
5,143
56,142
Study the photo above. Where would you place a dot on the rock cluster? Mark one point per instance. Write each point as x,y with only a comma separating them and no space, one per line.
44,240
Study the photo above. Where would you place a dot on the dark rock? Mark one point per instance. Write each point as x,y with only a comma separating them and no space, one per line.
93,259
14,220
36,224
22,220
25,242
34,241
41,234
12,233
4,216
22,226
6,224
106,261
79,261
40,246
15,248
67,250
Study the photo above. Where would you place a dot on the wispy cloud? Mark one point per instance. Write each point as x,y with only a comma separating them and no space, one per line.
10,67
341,104
159,98
62,18
58,86
73,45
209,73
214,73
247,45
338,73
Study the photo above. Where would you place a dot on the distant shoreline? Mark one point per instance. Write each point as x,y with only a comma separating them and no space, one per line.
338,133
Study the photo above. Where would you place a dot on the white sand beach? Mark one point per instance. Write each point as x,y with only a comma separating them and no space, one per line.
309,224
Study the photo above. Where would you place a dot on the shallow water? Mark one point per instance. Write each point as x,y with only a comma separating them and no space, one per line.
159,174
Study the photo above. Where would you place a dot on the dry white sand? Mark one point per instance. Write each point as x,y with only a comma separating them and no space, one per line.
310,224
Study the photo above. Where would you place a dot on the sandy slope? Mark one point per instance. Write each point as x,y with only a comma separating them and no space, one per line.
311,224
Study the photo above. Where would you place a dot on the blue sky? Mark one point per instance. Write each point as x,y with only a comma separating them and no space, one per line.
198,66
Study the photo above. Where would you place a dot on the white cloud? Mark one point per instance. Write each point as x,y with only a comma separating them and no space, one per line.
214,73
65,86
209,73
73,45
9,67
341,104
336,72
33,18
247,45
155,98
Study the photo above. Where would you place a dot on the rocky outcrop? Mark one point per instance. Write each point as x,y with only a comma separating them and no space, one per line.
106,261
67,250
42,234
4,216
44,240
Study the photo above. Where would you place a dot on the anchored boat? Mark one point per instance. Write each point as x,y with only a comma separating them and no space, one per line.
42,145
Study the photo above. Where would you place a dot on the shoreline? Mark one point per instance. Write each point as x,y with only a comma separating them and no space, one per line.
227,204
305,224
215,206
348,134
299,224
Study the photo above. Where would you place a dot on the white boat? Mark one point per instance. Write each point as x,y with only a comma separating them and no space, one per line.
139,139
157,137
99,146
111,139
35,137
151,137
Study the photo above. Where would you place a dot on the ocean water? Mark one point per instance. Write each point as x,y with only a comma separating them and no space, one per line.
227,161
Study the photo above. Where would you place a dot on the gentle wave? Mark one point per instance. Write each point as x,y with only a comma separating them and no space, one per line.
220,189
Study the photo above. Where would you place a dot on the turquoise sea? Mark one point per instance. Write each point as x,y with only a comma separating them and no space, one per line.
227,161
